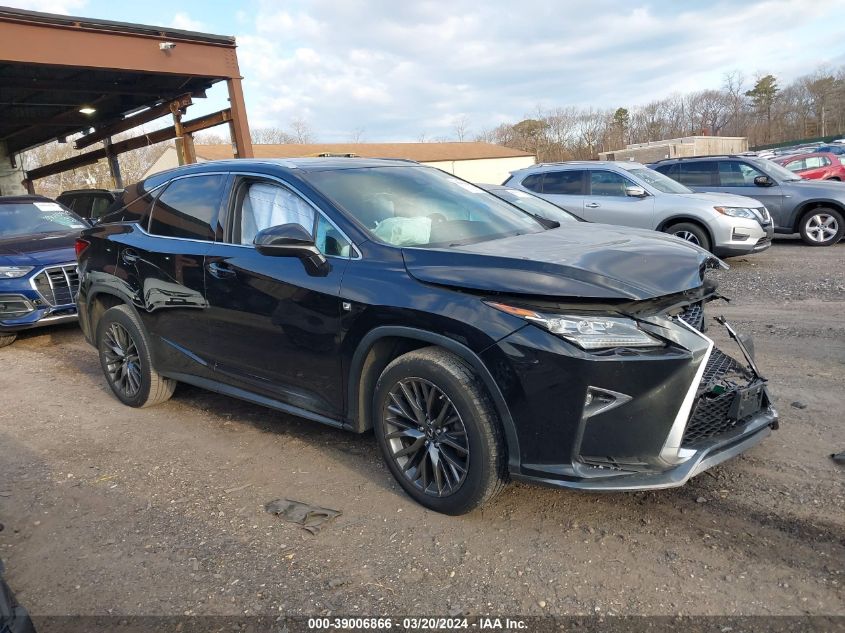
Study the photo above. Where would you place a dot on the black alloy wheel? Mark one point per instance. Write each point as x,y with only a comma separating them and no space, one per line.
126,362
123,368
427,439
439,432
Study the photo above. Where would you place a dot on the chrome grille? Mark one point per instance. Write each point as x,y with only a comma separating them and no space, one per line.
57,285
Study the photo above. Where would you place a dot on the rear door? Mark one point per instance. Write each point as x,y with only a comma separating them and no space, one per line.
608,203
276,322
164,266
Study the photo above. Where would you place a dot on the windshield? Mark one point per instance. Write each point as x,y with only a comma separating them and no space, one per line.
776,171
29,218
535,206
421,206
657,180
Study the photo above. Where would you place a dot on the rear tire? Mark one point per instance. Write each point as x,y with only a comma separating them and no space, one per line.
439,432
7,339
690,232
125,360
822,226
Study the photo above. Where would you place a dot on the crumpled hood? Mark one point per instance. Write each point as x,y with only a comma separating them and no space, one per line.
43,249
586,261
723,199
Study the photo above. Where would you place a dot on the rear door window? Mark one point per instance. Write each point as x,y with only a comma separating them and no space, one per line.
736,174
534,182
699,174
188,208
569,182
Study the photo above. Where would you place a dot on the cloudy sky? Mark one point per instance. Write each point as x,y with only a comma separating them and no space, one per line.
398,70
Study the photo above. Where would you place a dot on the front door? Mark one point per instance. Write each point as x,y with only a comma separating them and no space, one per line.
737,177
608,203
276,322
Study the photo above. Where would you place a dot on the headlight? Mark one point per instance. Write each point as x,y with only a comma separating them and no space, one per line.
13,272
737,212
587,332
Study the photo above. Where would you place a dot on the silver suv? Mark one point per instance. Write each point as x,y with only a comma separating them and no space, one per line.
631,194
813,208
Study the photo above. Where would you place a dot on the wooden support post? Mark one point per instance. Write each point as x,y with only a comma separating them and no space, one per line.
114,164
239,126
188,148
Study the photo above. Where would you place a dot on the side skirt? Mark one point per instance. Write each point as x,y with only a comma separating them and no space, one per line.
248,396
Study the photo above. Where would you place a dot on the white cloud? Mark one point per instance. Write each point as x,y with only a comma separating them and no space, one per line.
399,69
64,7
183,21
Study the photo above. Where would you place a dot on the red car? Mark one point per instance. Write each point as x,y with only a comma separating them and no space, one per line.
815,166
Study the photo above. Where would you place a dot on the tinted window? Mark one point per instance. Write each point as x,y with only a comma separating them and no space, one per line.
99,205
736,174
564,182
329,240
534,182
672,171
699,174
188,208
608,183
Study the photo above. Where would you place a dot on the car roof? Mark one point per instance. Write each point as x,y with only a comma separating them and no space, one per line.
24,198
791,157
93,190
542,167
680,159
299,164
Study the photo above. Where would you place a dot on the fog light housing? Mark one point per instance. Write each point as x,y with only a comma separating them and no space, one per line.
740,237
601,401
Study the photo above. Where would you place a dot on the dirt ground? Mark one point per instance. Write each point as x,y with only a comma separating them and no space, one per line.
111,510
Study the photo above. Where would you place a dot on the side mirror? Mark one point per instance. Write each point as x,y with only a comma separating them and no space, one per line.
636,192
292,240
763,181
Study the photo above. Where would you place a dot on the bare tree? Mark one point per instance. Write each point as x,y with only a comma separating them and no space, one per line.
461,127
300,130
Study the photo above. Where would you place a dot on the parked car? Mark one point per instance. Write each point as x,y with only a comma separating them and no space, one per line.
814,209
90,204
833,148
631,194
38,279
375,294
533,205
814,166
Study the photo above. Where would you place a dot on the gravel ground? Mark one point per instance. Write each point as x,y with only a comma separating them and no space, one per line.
111,510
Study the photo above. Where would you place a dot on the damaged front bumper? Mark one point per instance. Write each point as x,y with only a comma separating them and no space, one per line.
669,415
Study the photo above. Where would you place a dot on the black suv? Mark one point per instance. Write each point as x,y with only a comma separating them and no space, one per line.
477,341
815,209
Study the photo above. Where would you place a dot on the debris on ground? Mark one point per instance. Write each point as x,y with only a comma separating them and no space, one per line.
839,458
310,517
799,405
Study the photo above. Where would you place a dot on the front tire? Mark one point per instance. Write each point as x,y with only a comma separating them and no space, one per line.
821,227
439,432
690,232
7,339
125,360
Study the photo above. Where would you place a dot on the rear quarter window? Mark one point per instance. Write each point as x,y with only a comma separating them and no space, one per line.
188,208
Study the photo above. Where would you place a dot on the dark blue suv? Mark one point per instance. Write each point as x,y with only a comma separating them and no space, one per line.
38,278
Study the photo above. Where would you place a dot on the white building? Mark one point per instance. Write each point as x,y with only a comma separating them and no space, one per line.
476,162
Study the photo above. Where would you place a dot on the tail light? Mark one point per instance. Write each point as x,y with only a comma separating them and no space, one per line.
81,246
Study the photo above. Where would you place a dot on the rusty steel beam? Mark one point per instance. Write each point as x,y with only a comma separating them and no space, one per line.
128,123
166,134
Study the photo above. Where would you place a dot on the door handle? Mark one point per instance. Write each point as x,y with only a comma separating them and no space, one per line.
592,205
221,271
129,256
